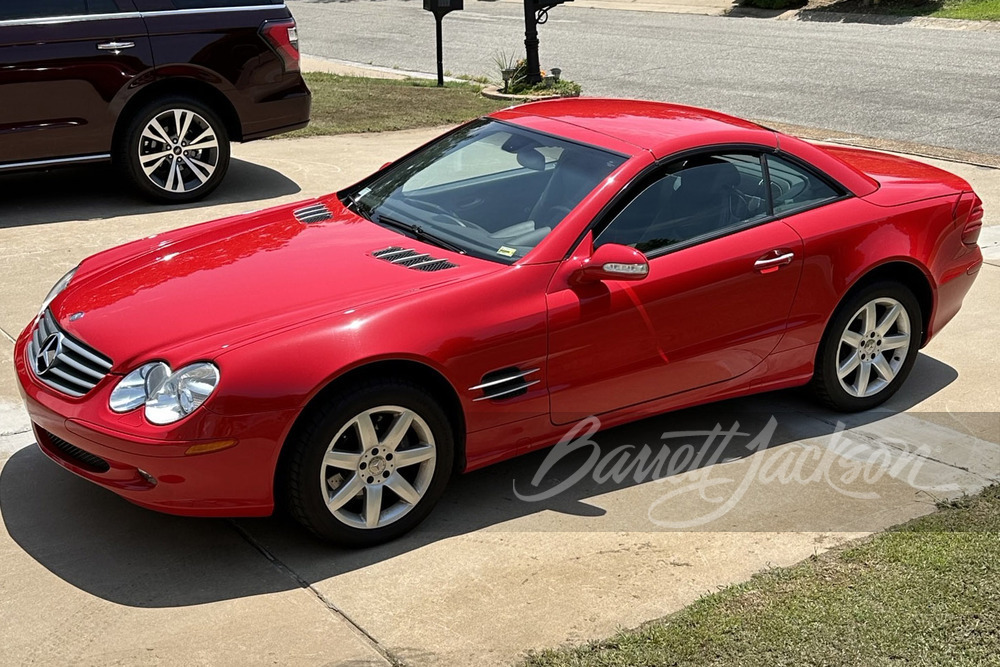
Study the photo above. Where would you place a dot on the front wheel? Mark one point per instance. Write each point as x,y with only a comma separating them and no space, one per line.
174,150
370,465
869,348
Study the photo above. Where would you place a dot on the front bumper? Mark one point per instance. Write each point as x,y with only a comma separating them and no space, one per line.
146,464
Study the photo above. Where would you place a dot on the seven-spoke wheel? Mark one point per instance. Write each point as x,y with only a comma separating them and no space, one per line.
175,150
368,464
378,467
869,347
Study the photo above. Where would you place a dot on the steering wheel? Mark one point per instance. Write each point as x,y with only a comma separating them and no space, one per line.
444,214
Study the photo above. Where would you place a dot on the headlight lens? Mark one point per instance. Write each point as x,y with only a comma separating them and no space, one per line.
57,288
137,386
182,393
167,396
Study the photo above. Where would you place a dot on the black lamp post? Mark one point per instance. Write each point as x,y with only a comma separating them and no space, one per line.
536,12
440,8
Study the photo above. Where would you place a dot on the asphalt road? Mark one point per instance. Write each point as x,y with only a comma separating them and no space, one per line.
900,82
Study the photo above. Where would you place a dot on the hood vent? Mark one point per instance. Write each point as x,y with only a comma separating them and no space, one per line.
412,259
504,383
314,213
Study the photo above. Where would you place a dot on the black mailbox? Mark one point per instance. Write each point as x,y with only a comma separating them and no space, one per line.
443,6
439,8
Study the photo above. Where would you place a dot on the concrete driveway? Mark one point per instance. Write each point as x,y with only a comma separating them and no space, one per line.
87,578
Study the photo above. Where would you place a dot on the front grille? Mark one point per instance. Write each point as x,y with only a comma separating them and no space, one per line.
412,259
314,213
62,362
75,455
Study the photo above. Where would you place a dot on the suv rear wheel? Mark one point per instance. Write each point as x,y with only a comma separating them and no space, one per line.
174,150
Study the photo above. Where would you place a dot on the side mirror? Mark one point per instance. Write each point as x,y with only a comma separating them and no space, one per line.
613,262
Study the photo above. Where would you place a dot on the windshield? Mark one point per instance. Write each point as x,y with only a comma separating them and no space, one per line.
490,189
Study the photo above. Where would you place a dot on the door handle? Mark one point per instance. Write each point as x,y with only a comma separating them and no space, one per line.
773,261
117,47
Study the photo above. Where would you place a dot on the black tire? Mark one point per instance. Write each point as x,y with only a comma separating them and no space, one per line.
155,186
305,477
827,385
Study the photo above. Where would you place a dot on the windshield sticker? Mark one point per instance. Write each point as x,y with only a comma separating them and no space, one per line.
507,252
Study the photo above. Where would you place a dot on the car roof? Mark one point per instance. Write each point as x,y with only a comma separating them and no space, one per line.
632,126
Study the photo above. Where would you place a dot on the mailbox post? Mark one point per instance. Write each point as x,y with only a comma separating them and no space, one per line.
536,12
439,8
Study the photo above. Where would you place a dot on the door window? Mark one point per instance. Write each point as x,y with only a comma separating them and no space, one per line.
33,9
697,197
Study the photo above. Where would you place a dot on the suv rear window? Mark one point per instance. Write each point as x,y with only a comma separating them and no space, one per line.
34,9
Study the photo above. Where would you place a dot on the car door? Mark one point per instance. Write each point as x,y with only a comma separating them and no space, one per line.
63,65
722,277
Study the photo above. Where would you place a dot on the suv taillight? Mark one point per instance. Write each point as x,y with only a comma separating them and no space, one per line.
973,225
283,37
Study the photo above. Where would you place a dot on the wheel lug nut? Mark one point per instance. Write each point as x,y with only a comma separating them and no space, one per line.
385,474
371,479
363,465
388,457
375,452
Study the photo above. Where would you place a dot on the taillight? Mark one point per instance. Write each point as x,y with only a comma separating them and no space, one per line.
973,225
283,37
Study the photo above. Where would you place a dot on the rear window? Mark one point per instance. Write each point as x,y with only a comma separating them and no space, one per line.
35,9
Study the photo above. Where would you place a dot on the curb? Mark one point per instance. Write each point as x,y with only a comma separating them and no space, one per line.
493,93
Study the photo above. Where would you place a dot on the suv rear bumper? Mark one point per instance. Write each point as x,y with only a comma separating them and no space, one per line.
288,112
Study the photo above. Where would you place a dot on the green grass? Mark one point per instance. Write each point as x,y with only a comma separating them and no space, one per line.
978,10
925,593
343,104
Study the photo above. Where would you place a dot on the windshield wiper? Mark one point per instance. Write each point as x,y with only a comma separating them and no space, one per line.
354,201
418,232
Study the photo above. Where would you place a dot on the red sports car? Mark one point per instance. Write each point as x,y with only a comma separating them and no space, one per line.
469,301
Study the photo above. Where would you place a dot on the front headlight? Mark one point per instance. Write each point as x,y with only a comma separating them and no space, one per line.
137,386
182,393
167,396
57,289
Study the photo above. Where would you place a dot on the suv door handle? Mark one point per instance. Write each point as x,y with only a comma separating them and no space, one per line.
117,47
773,261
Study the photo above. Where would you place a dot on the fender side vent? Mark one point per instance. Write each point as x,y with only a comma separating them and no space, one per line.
314,213
504,383
412,259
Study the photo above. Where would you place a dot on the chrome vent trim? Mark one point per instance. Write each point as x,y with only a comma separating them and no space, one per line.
75,368
505,383
314,213
411,259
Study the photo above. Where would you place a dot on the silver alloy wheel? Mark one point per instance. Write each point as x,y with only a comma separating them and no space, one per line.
178,151
873,347
378,467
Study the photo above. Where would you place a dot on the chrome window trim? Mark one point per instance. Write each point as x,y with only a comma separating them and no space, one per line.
63,160
54,20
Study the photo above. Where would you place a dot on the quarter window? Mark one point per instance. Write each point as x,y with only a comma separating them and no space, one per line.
792,187
34,9
692,198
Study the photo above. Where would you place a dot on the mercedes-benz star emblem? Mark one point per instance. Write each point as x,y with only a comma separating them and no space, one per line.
49,352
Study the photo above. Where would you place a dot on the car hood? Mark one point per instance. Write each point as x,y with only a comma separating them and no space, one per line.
197,291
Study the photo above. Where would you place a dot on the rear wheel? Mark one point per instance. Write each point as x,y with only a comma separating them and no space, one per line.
869,348
370,465
174,150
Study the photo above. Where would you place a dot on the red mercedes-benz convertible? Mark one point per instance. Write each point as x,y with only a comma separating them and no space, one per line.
469,301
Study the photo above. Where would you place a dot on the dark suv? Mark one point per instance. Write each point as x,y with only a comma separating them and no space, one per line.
160,87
